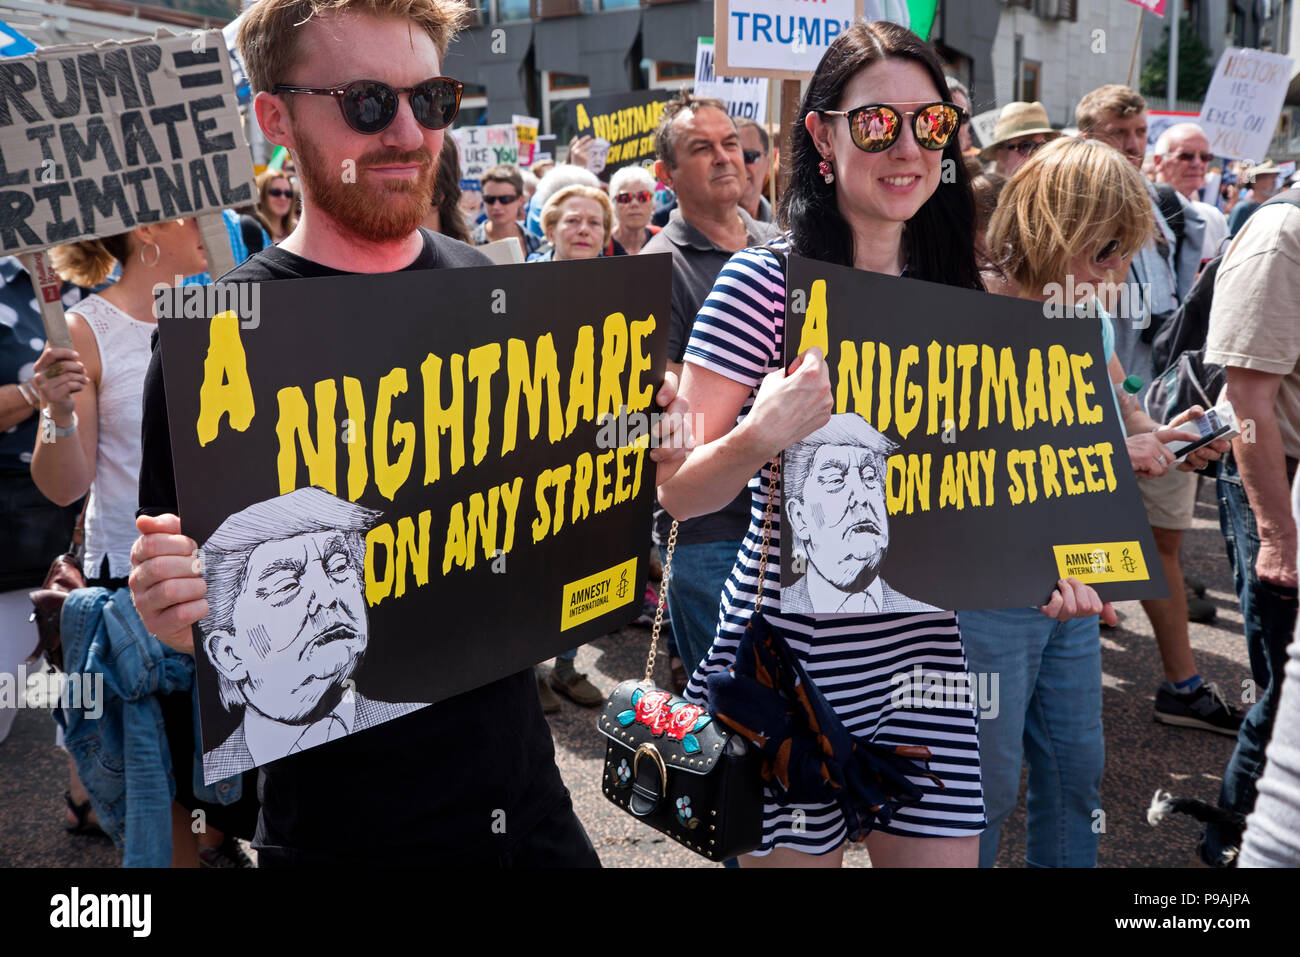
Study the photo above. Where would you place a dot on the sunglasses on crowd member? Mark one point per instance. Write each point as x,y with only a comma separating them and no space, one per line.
1107,251
369,106
506,200
640,196
280,193
1025,148
1187,156
752,156
876,127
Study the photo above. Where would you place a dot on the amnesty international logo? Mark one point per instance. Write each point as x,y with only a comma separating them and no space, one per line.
1097,562
597,594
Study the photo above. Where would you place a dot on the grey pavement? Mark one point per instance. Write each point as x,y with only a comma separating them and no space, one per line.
1141,755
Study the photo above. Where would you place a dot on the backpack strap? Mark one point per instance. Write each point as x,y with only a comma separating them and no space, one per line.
1170,207
1291,197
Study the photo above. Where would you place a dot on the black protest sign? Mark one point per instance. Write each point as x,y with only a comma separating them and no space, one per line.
626,121
441,451
97,139
973,458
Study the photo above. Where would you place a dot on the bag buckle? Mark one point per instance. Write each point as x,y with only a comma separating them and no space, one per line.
646,797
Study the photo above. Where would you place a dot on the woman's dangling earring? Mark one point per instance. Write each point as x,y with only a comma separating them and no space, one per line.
156,257
828,174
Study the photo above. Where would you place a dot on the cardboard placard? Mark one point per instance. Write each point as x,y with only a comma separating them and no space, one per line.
626,120
526,132
448,486
1160,120
744,96
778,39
482,147
974,456
1241,108
98,138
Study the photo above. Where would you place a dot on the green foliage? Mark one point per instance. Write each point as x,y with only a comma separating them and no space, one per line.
1194,67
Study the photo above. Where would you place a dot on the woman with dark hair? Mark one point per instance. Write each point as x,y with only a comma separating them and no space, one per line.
445,216
276,210
866,190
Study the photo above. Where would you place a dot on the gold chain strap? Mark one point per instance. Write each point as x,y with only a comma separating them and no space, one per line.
773,476
659,609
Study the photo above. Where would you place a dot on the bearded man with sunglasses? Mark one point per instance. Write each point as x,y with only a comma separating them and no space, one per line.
471,780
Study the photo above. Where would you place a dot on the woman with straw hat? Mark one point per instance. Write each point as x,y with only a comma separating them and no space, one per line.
1021,129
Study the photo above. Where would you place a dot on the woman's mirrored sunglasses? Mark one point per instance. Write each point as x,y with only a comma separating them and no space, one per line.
369,106
876,126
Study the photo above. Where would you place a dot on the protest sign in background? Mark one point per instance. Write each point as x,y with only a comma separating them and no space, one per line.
1160,120
782,39
526,133
744,96
1242,106
96,139
626,120
1151,6
466,410
984,125
482,147
1011,470
13,43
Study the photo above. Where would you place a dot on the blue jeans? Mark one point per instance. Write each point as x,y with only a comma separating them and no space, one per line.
698,575
1048,712
1269,614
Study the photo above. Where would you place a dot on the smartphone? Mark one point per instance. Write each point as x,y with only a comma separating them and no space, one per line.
1219,422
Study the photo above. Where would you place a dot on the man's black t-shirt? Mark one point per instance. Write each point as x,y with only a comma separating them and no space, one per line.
462,780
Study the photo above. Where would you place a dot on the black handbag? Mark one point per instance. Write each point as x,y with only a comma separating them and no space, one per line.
673,766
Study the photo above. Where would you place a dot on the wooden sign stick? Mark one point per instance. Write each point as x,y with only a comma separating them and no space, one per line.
216,243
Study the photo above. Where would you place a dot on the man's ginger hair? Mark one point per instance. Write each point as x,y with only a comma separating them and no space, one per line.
268,36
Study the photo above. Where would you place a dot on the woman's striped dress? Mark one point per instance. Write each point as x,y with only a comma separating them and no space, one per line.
860,663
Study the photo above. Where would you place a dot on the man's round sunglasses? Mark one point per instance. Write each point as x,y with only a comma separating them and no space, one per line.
640,196
369,106
876,126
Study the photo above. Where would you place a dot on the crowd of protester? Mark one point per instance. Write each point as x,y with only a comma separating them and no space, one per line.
1030,210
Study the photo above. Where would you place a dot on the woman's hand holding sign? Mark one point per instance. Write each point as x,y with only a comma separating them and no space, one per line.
790,405
725,456
672,438
166,581
58,376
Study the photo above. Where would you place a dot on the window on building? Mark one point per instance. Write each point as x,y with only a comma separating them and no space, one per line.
512,10
1028,86
618,4
663,75
557,90
473,106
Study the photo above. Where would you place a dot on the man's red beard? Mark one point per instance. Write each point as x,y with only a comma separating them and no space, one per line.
376,210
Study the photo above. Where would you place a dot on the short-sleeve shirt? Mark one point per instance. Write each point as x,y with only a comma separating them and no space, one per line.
697,260
1255,318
